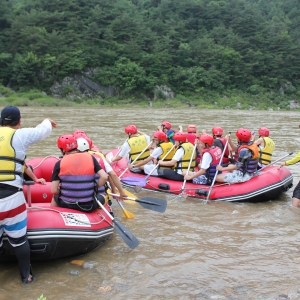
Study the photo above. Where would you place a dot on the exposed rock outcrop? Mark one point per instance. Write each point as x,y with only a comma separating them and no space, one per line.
164,90
81,85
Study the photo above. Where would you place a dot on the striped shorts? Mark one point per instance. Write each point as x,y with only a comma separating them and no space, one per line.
13,219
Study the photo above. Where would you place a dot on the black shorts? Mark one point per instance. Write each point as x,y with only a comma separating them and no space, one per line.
170,174
296,192
85,206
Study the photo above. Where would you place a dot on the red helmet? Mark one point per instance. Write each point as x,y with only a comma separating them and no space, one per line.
131,129
78,132
179,136
166,124
67,142
84,144
264,131
160,135
78,135
191,129
244,135
218,131
207,139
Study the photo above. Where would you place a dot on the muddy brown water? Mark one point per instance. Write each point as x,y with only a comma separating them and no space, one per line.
192,251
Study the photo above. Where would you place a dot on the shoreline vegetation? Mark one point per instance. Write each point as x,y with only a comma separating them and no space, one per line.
234,100
210,54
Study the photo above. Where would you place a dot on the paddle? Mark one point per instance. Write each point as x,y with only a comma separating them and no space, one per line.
135,160
122,230
141,182
127,214
277,160
155,204
119,150
184,182
213,182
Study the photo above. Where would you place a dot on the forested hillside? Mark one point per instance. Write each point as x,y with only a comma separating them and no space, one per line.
192,46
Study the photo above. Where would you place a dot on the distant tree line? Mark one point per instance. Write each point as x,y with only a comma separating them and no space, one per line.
193,46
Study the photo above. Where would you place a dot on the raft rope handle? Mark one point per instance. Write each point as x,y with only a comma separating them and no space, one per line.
80,221
44,160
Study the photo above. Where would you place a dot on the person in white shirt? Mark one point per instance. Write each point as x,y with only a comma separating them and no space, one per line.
180,161
14,143
211,156
135,146
162,151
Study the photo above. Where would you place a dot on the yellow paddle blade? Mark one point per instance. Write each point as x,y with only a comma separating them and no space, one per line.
127,214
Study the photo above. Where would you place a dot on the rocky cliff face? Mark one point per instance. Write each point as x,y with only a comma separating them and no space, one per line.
84,86
81,85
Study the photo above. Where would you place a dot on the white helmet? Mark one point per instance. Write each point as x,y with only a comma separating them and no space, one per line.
83,144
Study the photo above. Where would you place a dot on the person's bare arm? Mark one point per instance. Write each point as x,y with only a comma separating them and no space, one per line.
167,163
29,172
55,187
103,177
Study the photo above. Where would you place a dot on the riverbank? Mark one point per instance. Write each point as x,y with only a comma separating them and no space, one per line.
236,100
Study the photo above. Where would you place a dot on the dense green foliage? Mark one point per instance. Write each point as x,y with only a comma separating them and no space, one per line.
193,46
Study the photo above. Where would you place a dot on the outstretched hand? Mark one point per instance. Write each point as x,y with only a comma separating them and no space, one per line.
52,123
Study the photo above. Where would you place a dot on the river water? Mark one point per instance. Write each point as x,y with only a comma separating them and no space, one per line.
192,251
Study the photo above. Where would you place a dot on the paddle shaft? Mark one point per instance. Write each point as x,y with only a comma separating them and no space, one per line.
213,182
135,160
156,166
123,231
184,182
277,160
120,149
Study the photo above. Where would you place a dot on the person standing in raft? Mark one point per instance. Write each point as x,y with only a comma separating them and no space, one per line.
246,159
296,192
84,145
163,146
136,143
73,177
180,161
266,147
211,156
165,127
14,143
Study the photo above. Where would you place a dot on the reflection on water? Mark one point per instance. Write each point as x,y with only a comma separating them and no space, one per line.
194,250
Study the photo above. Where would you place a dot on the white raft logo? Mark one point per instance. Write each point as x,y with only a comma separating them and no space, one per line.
75,219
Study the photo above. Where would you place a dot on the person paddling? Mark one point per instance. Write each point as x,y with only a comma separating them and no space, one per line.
220,141
246,159
165,127
73,177
211,156
163,147
180,161
191,133
266,147
136,144
84,145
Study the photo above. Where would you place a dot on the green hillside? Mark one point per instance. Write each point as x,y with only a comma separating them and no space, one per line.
196,47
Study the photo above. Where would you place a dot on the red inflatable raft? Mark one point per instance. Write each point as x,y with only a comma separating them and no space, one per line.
268,184
55,232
